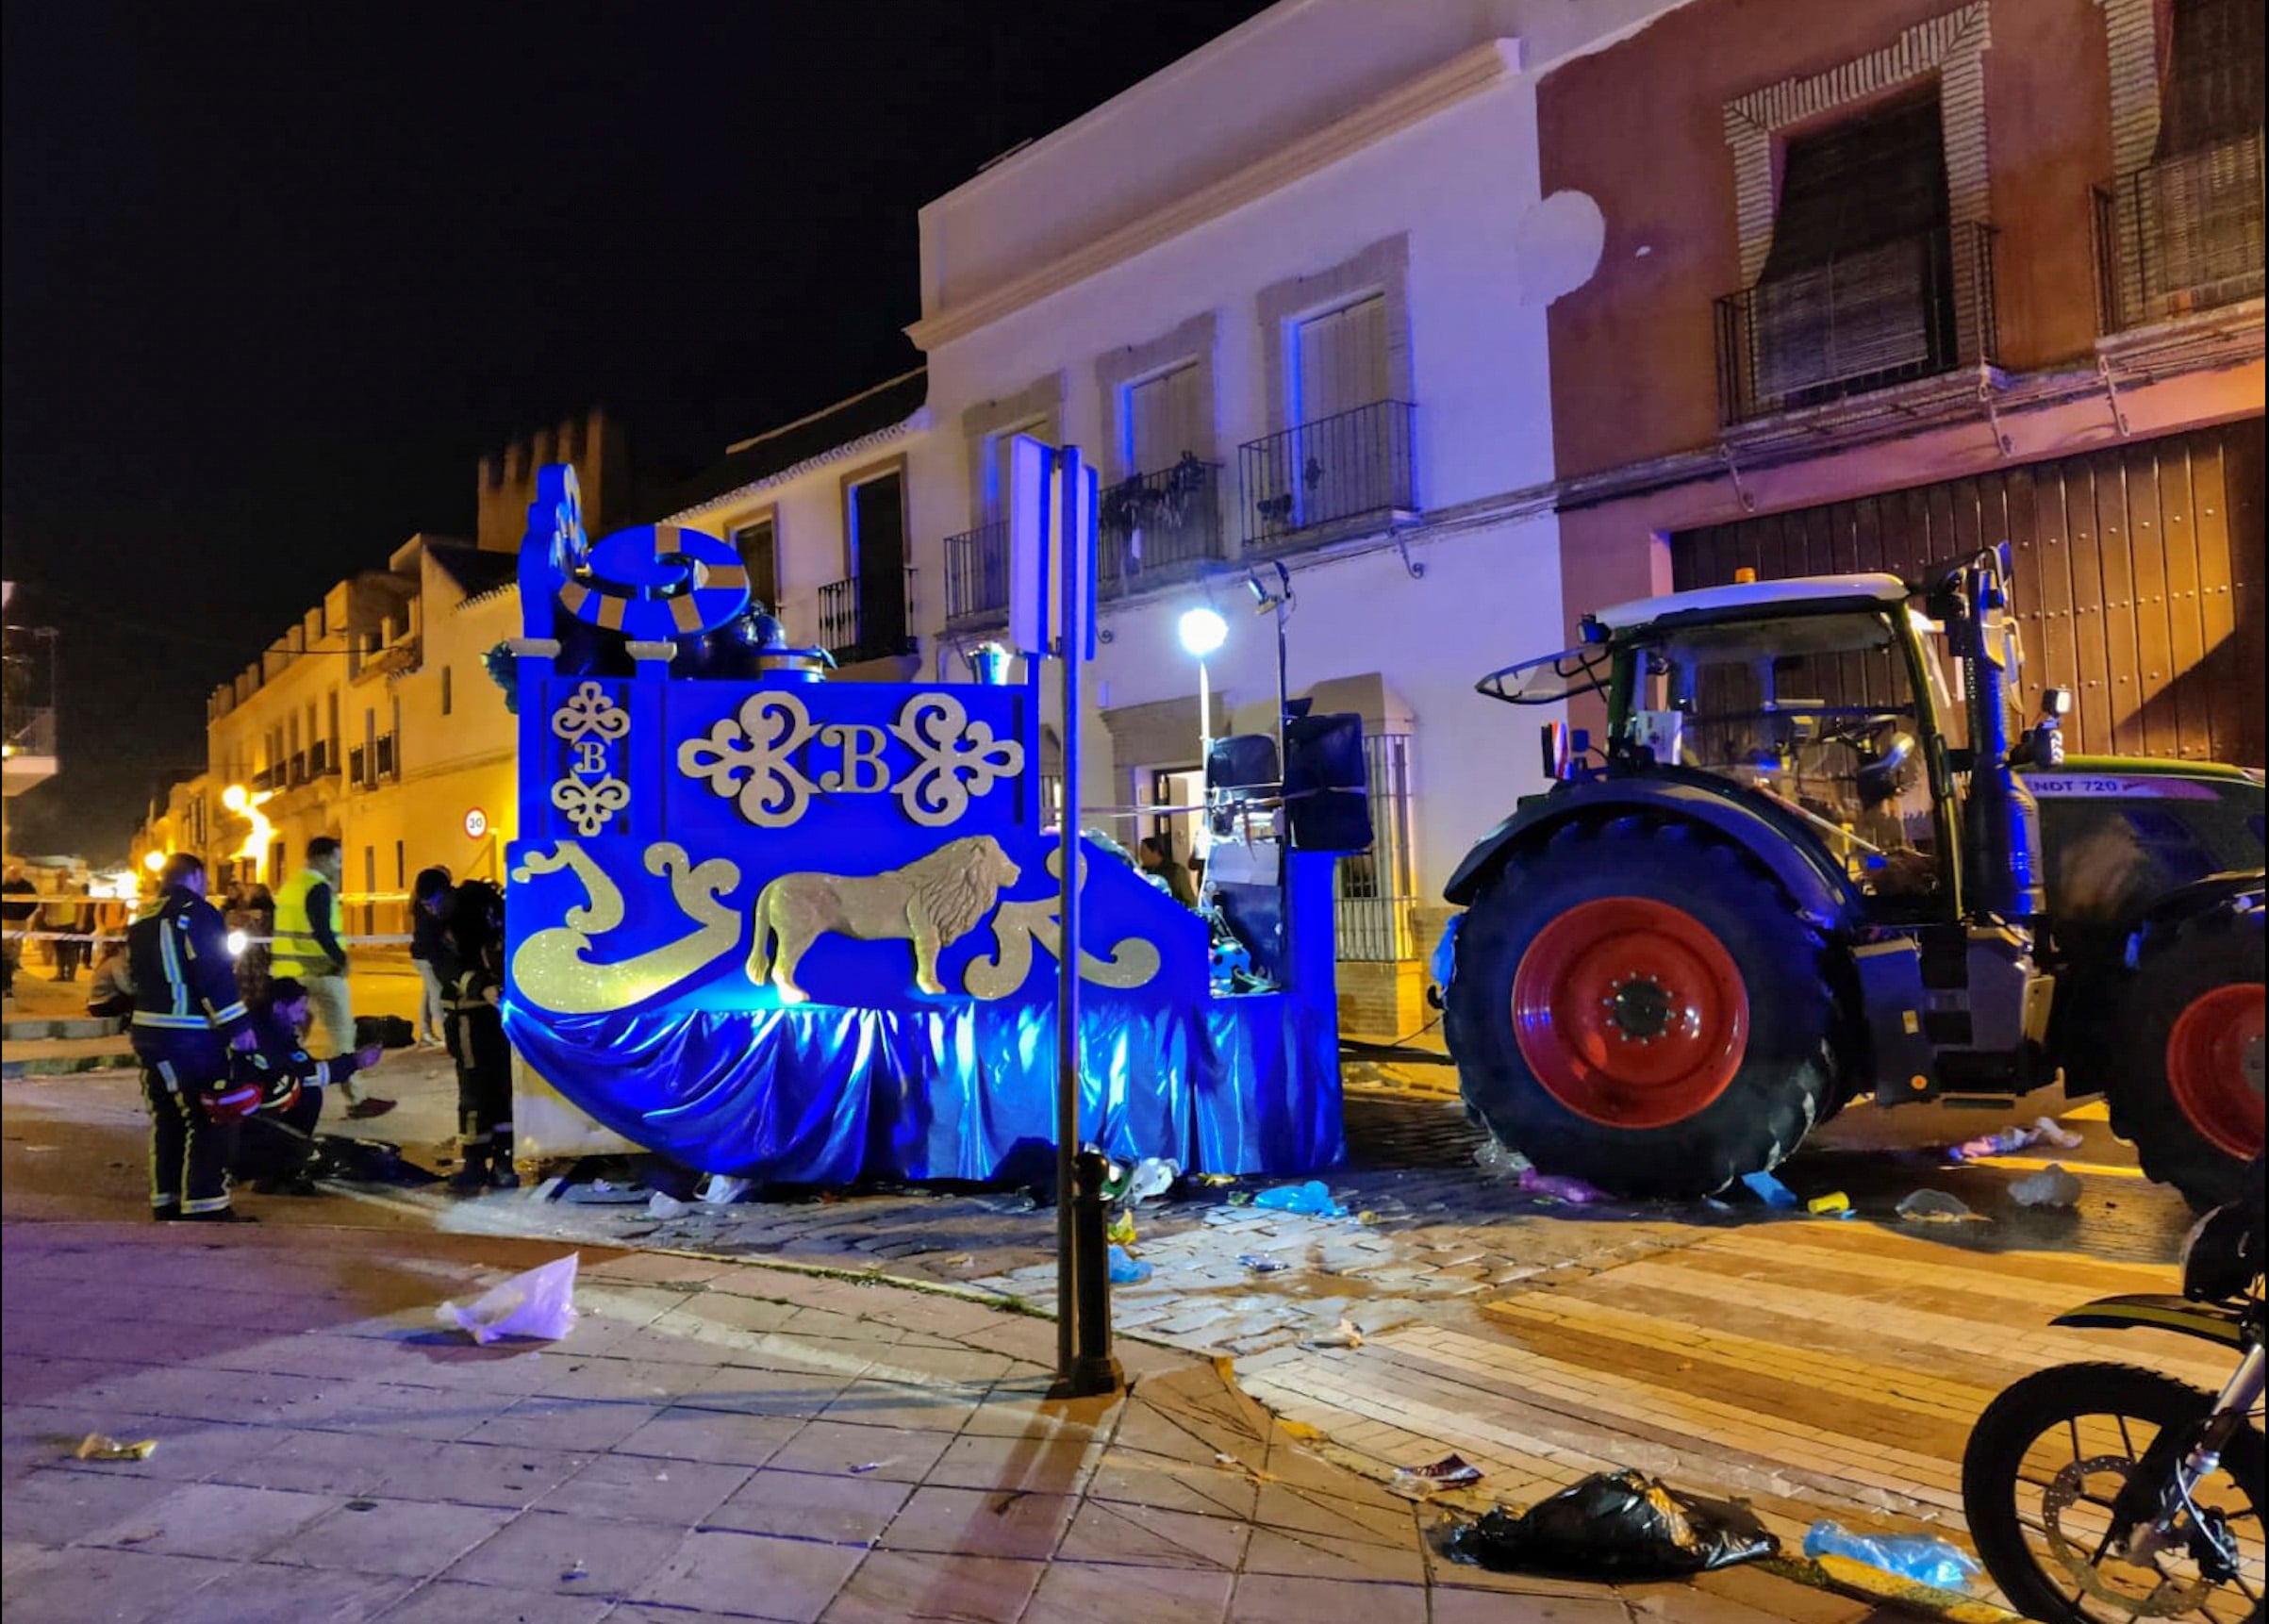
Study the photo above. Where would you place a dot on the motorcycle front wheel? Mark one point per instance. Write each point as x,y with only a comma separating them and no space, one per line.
2045,1464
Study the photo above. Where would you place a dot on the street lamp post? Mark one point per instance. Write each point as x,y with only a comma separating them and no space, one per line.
1202,632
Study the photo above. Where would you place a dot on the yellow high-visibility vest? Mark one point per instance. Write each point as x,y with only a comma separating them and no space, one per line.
296,952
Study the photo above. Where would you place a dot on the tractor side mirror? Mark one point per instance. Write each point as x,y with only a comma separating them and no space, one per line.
1555,742
2056,702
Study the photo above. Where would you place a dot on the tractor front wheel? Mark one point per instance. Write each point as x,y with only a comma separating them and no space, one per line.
1636,1003
2185,1087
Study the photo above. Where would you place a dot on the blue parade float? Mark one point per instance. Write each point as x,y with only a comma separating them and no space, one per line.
805,931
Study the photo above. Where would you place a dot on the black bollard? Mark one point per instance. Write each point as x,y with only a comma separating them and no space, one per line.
1094,1372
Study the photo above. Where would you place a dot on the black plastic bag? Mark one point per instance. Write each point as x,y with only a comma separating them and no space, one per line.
1614,1526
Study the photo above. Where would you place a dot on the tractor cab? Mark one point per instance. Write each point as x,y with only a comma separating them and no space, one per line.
1828,699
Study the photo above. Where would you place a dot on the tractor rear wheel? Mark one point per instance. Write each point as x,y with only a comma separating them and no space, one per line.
1637,1003
2185,1085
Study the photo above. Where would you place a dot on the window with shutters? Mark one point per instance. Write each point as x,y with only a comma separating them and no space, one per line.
1340,361
757,542
2183,232
869,615
1166,511
1165,419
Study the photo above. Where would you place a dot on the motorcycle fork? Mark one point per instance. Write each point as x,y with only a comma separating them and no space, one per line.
2150,1506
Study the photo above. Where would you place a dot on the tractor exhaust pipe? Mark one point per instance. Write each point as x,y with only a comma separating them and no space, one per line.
2000,820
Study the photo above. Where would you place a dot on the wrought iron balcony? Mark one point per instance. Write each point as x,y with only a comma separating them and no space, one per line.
323,759
358,766
977,575
2178,235
861,622
388,762
1911,308
1154,527
1354,465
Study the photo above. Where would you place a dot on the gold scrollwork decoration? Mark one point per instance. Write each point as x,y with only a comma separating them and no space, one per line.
589,713
1017,926
590,804
744,759
958,758
553,969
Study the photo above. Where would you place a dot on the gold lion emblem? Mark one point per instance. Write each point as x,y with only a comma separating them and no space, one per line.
932,902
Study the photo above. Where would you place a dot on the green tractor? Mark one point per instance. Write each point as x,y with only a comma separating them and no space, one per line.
1806,868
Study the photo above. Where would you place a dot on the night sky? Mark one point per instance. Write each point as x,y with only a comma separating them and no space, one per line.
277,275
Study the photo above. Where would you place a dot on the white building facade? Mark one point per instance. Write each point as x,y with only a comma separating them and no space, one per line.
1290,294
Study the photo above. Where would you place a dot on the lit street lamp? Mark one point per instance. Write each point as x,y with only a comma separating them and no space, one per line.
1204,632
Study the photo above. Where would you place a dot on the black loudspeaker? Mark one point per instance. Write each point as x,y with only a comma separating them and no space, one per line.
1327,793
1247,761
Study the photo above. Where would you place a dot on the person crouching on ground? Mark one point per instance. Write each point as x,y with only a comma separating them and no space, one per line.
187,1020
110,993
474,963
276,1152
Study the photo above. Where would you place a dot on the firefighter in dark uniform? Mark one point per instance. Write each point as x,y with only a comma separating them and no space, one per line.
473,969
186,1017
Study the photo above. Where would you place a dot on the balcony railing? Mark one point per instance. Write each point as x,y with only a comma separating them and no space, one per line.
859,621
977,574
267,778
1912,308
2180,236
30,729
1155,526
359,764
1354,465
323,759
388,764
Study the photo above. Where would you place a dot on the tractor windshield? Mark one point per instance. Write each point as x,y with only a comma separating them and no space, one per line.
1816,711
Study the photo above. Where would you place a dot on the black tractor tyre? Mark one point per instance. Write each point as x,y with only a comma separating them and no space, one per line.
2219,949
1993,1465
1788,1080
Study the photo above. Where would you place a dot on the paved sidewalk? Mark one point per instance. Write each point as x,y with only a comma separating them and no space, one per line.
713,1441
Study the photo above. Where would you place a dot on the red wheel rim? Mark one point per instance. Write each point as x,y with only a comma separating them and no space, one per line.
1630,1012
2213,1067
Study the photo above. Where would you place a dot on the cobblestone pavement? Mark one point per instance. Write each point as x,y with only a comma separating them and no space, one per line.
712,1441
1820,1368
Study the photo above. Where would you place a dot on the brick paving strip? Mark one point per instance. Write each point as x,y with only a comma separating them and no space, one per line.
715,1440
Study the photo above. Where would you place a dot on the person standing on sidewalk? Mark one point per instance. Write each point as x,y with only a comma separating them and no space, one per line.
307,950
16,915
475,964
429,917
186,1017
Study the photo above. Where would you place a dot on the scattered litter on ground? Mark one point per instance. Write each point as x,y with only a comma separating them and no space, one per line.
1614,1526
100,1447
662,1206
1501,1161
1771,1191
1259,1264
1240,1197
1450,1471
1344,1334
1214,1180
2052,1186
1560,1187
602,1193
1834,1205
573,1571
2008,1141
1310,1198
1935,1206
1120,1230
1127,1269
861,1470
722,1190
1917,1557
539,1303
1152,1176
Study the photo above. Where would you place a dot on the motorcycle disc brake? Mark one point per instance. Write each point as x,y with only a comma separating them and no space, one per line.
2170,1598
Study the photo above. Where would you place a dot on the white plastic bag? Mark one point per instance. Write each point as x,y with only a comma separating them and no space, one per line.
541,1304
